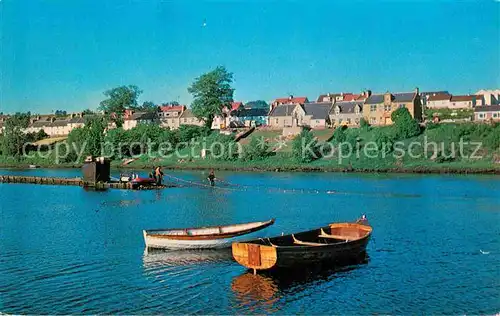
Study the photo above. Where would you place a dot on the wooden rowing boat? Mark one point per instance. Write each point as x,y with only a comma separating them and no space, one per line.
211,237
335,242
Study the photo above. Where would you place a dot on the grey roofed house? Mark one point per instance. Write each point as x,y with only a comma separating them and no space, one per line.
434,92
251,112
403,97
347,107
41,123
187,113
318,110
143,116
283,110
59,123
375,99
487,108
395,97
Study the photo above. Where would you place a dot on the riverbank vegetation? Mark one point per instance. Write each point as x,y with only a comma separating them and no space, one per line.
435,148
404,146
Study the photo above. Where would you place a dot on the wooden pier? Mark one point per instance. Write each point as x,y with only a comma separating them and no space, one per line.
80,182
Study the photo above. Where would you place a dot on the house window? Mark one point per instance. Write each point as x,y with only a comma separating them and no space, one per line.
184,120
356,110
340,121
349,121
387,108
402,106
481,115
373,108
373,120
276,121
337,110
356,120
495,115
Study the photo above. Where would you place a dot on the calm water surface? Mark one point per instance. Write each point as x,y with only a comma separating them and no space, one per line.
435,246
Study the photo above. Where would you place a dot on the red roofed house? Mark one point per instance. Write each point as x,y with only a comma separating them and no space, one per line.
343,97
222,121
290,100
169,115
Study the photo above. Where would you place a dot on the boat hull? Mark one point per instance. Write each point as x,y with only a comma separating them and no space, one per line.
334,243
175,244
289,258
211,237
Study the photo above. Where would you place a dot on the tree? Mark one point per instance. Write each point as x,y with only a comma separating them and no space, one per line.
148,106
257,149
406,126
60,113
364,124
88,112
211,92
13,136
257,104
339,135
41,135
118,100
171,103
305,147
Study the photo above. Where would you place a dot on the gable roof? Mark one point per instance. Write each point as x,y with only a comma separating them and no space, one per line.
375,99
323,96
439,97
251,112
318,110
461,98
347,107
187,114
350,97
143,116
236,105
171,108
300,100
395,97
283,110
403,97
430,93
487,108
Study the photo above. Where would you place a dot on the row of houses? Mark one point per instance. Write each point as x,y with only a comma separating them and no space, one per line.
337,109
328,110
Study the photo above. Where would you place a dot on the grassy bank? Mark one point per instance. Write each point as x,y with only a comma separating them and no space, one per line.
446,136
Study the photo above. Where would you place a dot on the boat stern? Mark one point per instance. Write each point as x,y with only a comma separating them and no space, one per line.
254,256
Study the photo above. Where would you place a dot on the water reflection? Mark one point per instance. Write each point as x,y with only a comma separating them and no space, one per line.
154,258
263,291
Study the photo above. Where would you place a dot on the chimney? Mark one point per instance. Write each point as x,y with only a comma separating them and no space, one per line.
416,90
80,114
368,93
73,115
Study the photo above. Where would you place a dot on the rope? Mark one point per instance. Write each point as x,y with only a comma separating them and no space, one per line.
199,183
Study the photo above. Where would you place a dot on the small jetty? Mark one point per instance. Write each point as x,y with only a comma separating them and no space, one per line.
96,174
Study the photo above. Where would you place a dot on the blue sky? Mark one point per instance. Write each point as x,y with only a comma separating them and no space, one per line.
59,54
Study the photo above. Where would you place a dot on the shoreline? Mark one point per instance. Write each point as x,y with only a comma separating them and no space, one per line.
398,170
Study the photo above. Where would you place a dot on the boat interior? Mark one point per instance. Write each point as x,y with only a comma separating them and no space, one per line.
333,234
211,230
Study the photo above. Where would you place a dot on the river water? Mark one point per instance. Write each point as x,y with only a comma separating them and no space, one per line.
435,246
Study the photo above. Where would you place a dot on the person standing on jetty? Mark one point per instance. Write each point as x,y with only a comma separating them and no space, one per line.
152,174
159,175
211,177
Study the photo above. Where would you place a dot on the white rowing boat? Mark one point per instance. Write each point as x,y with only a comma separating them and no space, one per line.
211,237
